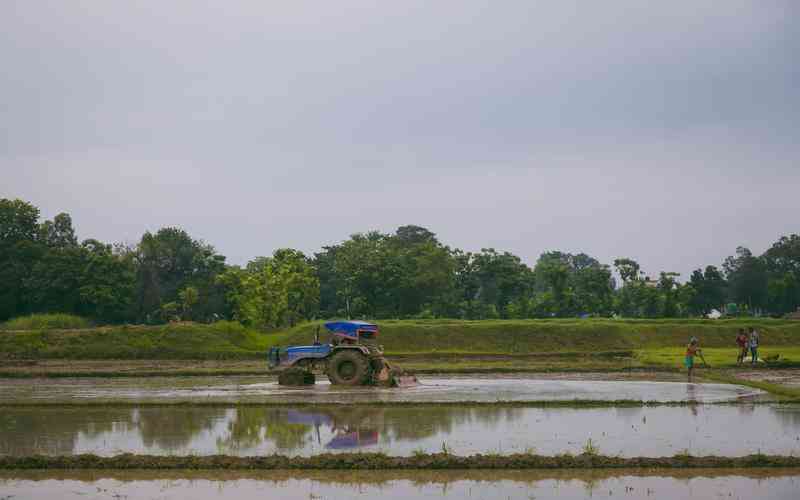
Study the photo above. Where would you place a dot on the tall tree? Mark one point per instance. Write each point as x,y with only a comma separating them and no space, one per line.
273,291
747,279
628,269
107,283
58,233
167,262
425,280
19,252
782,262
709,288
670,290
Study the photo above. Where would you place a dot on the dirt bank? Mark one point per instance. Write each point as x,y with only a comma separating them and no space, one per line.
370,461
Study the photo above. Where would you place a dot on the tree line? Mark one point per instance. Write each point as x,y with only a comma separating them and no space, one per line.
168,275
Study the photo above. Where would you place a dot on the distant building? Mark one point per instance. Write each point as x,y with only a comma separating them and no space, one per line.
794,315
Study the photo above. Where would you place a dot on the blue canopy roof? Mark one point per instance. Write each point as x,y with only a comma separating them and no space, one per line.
350,327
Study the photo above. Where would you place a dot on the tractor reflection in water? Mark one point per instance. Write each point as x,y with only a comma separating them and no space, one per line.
351,430
352,357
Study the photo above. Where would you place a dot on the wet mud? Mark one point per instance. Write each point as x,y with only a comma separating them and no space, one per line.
452,389
379,461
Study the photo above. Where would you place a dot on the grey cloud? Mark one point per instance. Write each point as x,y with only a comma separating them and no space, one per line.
664,131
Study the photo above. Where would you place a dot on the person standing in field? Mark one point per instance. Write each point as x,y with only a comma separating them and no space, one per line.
741,341
753,343
692,350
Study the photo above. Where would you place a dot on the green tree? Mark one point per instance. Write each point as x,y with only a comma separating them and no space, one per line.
552,274
107,283
709,291
490,284
782,263
58,233
747,279
167,262
273,291
425,273
19,252
365,275
53,282
628,269
18,221
637,298
593,288
188,298
572,284
669,288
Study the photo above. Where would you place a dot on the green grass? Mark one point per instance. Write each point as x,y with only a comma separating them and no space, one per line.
656,342
57,321
557,335
720,357
222,340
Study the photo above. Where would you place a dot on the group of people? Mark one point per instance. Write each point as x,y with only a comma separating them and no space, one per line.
747,343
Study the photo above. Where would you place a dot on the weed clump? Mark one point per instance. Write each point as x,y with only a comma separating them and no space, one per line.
590,449
55,321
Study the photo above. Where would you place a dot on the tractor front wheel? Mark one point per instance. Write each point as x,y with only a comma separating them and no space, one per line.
348,367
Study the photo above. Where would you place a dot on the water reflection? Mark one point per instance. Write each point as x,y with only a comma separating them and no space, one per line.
399,430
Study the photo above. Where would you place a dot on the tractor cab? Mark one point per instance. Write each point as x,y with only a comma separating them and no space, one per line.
352,332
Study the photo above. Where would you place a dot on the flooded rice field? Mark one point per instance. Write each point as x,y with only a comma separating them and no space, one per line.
723,430
430,390
764,485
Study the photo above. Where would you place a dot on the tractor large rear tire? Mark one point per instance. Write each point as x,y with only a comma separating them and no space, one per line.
349,367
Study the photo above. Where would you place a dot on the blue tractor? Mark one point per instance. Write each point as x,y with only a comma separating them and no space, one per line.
352,357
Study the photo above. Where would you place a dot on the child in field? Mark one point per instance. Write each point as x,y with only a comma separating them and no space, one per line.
692,350
753,341
741,341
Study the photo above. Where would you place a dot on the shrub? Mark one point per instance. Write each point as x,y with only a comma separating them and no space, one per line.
57,321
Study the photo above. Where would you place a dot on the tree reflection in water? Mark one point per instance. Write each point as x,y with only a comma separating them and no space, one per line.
350,426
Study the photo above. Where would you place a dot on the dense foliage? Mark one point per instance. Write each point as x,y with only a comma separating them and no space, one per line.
168,275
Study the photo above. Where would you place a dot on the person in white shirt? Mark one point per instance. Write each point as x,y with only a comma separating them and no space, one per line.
753,343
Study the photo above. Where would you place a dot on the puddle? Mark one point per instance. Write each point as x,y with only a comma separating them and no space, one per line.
770,485
727,430
430,390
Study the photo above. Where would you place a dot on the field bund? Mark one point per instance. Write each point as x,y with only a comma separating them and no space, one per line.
551,338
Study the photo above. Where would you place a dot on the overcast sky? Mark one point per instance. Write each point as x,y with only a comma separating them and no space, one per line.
668,132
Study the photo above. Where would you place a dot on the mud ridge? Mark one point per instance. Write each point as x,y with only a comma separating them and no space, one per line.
378,461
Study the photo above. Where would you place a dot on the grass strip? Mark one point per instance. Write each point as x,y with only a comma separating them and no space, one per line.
379,461
573,403
132,374
226,340
357,478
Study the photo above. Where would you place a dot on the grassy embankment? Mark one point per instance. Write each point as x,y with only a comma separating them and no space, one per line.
422,346
425,345
654,342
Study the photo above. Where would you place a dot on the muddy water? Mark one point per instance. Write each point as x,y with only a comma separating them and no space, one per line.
431,389
369,485
729,430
